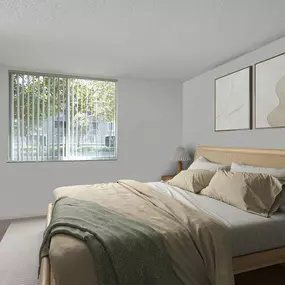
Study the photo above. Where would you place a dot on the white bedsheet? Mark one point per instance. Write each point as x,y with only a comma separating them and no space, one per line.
250,233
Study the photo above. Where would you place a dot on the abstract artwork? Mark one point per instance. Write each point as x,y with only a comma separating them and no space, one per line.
270,93
233,101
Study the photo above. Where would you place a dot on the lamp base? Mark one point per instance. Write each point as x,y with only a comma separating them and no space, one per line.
179,166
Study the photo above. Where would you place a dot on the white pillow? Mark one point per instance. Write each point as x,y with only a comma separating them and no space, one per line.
276,172
203,163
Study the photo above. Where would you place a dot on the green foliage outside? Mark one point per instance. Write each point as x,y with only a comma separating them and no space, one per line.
90,98
83,148
49,152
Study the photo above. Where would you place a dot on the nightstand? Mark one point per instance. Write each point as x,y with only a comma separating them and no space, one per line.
166,177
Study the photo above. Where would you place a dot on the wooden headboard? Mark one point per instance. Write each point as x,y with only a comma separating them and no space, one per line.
252,156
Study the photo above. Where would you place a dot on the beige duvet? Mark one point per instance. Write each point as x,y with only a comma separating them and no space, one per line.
198,245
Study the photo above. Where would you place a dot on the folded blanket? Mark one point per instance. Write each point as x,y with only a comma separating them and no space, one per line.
127,251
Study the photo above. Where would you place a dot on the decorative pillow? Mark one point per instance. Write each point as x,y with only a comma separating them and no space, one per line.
203,163
192,180
257,193
276,172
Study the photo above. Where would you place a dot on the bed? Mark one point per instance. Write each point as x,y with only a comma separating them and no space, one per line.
255,252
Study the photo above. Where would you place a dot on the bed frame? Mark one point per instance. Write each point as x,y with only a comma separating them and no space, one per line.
224,155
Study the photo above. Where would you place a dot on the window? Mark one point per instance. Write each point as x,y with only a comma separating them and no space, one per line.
109,140
111,126
95,126
56,118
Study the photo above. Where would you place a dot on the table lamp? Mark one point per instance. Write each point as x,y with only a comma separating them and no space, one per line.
180,155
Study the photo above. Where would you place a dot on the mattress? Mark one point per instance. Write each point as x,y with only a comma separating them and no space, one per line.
249,233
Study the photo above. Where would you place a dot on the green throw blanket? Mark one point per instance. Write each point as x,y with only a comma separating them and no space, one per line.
125,251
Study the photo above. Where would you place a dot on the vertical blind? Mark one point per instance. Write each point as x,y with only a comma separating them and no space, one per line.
61,118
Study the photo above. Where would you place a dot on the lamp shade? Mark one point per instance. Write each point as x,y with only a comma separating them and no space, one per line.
180,154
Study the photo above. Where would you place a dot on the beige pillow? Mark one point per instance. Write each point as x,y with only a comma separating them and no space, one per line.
276,172
192,180
256,193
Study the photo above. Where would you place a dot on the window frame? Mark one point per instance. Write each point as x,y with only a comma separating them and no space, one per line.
70,76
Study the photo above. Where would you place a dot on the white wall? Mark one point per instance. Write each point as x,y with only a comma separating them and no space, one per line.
198,108
149,129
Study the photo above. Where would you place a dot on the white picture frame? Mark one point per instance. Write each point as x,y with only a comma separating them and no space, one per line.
270,93
233,101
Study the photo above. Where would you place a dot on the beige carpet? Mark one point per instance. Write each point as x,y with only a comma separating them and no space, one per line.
19,251
4,224
274,275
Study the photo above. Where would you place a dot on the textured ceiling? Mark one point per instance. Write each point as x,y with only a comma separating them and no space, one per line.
165,39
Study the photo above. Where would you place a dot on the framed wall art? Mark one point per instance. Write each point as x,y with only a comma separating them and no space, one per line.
233,101
270,93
